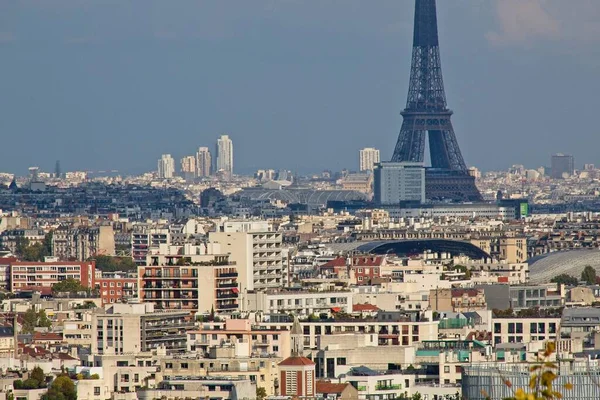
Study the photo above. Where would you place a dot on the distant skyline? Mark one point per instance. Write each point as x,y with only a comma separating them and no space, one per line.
300,85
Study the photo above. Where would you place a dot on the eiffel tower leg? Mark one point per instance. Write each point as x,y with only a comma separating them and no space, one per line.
411,143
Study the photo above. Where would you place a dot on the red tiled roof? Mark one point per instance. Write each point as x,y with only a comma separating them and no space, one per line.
367,261
337,262
364,307
296,361
47,336
324,387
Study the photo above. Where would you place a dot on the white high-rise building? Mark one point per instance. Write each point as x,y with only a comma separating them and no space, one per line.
203,162
166,166
368,158
224,154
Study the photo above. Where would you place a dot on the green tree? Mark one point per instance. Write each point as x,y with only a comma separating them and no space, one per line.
43,321
261,393
62,388
111,264
589,275
31,384
30,318
69,285
38,374
565,279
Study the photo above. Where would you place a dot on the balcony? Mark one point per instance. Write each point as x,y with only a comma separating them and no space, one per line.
227,296
388,387
227,285
263,343
226,306
228,275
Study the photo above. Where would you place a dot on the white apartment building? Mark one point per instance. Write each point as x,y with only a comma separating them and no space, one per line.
166,167
224,154
368,158
146,236
203,162
297,302
524,330
256,252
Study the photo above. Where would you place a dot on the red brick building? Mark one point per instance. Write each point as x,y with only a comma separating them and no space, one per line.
114,290
40,276
366,269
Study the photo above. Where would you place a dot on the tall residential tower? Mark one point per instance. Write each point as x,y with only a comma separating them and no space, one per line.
203,162
166,166
224,154
368,158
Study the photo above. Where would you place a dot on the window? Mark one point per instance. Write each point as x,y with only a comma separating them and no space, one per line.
104,284
112,284
168,365
96,390
184,365
275,337
511,327
497,327
118,284
122,363
275,348
341,361
519,327
533,327
446,369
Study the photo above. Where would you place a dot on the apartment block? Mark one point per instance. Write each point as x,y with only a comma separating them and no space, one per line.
116,289
524,330
11,238
258,256
261,342
297,302
134,328
144,237
40,276
83,243
196,286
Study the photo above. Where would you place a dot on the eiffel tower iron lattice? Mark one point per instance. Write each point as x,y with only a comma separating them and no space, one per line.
427,114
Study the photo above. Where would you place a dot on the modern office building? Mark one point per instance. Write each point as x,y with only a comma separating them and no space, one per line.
397,182
488,381
166,167
562,165
224,154
368,158
203,162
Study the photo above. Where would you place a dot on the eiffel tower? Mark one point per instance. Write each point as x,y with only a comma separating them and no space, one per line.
426,114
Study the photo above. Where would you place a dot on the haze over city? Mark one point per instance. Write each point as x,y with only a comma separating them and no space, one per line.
113,85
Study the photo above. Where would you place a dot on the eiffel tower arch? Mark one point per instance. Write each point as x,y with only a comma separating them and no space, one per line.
427,116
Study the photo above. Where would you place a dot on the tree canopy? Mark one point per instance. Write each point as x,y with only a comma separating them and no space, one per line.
565,279
62,388
33,319
34,252
112,263
69,285
589,275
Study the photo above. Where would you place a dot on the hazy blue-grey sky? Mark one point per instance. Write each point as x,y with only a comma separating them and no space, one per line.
298,84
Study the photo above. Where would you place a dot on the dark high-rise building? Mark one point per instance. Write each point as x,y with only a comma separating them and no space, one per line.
427,114
562,164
